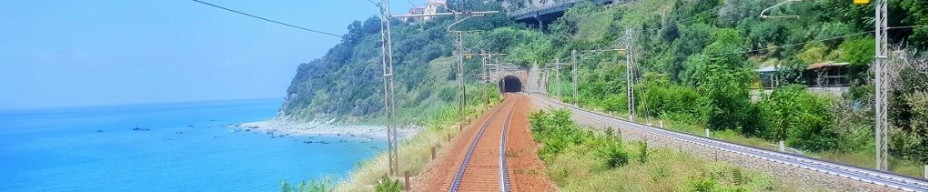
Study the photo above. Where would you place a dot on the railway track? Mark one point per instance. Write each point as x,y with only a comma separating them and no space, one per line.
460,175
875,177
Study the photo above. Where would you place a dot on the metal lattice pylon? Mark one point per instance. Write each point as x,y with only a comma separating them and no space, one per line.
629,74
459,47
880,105
573,61
388,99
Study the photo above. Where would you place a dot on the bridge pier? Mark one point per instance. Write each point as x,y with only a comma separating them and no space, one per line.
541,23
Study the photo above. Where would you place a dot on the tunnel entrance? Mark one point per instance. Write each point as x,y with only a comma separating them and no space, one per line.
510,84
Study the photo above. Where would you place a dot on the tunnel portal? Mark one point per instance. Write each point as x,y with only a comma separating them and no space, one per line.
510,84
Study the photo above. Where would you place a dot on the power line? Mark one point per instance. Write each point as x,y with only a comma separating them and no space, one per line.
797,44
266,19
375,4
687,19
410,3
821,40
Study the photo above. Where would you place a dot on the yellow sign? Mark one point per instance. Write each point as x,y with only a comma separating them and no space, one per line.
860,2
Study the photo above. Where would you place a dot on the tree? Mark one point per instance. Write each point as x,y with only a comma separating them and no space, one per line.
798,117
371,25
722,74
859,53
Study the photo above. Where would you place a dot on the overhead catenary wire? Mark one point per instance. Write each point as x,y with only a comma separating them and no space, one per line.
681,21
411,3
266,19
375,4
819,40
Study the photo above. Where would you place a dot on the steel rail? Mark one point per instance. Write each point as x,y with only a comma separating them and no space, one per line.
456,183
875,177
503,173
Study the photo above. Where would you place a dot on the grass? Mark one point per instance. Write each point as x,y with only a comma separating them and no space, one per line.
666,170
865,158
580,165
415,152
868,159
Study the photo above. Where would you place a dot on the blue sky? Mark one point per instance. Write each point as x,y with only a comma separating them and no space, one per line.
64,53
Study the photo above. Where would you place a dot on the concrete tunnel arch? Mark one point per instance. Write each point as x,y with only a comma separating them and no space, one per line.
510,84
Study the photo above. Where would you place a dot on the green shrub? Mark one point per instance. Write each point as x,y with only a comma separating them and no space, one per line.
556,131
659,173
703,184
616,103
388,185
613,152
799,117
737,176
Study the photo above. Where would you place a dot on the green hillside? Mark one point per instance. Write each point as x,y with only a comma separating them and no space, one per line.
346,83
696,67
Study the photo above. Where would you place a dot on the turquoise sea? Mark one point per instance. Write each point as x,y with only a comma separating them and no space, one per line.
187,147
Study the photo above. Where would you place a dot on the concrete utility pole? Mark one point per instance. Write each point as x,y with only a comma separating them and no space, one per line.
880,105
573,60
388,99
629,75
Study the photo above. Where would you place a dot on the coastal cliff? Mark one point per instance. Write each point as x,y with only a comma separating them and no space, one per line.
346,83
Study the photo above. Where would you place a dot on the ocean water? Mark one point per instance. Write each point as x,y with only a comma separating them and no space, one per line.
188,148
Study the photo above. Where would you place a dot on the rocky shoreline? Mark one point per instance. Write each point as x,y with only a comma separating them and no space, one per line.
289,128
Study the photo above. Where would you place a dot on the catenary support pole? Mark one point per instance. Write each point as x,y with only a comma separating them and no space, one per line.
459,47
880,124
557,77
573,61
629,75
389,102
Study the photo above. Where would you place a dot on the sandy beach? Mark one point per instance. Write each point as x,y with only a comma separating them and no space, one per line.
279,127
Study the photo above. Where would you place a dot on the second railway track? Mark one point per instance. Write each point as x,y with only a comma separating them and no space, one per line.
874,177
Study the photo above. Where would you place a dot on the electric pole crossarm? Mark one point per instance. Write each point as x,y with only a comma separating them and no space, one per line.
603,50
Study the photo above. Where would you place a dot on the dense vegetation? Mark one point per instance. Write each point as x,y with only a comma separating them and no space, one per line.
696,64
346,83
578,160
697,59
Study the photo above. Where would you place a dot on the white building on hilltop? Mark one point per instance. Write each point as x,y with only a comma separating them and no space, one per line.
433,7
